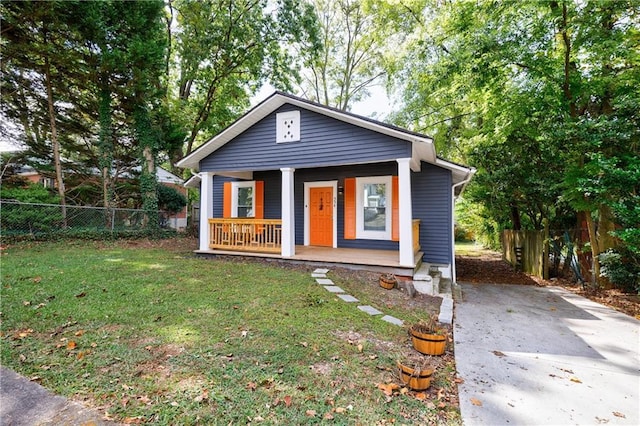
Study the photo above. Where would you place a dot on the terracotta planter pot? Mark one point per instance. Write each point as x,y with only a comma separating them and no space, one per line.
427,343
388,281
415,379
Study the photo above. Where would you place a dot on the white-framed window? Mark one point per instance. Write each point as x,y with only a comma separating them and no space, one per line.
373,208
243,200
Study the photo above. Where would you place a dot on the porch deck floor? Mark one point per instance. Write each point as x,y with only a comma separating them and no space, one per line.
374,260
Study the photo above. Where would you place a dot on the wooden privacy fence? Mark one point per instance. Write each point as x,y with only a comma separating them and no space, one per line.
527,251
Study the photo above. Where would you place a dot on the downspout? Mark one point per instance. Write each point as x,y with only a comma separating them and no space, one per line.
454,277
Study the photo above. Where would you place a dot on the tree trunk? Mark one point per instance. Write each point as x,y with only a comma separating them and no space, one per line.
55,144
595,250
515,217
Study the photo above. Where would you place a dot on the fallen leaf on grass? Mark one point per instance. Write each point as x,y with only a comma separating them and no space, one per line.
144,399
328,416
133,420
71,345
420,396
21,334
37,279
360,347
78,333
202,397
388,388
287,400
252,386
81,294
476,402
618,414
440,394
458,380
310,413
341,410
26,303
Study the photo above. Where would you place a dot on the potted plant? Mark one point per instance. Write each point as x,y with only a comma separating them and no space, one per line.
428,337
388,281
415,375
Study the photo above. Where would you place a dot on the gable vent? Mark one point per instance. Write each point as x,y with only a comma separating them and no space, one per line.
288,126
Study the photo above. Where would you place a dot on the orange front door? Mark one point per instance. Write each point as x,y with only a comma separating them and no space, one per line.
321,216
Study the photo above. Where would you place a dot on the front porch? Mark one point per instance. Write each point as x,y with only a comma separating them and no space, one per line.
384,261
263,238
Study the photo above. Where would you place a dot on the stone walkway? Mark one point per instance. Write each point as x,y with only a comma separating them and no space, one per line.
321,278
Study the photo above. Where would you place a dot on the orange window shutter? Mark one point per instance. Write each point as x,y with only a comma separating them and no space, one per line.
259,199
350,209
395,209
226,200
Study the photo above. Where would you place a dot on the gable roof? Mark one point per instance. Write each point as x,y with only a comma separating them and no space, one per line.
423,149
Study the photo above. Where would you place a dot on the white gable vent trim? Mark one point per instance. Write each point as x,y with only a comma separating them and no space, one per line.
288,126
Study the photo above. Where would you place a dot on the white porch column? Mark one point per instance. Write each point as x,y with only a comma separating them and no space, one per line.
405,212
206,207
288,214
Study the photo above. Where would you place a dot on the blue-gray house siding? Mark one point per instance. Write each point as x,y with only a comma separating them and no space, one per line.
431,196
324,141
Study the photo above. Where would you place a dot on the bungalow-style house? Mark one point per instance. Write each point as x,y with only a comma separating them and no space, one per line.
297,180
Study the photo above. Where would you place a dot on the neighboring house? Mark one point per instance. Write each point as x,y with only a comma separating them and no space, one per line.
297,180
176,221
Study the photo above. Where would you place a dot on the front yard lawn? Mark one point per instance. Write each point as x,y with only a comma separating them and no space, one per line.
148,333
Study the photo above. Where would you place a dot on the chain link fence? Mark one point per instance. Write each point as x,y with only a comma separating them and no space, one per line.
22,219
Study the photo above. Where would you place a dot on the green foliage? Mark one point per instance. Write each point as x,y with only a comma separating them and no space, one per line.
622,268
170,199
32,193
541,97
222,58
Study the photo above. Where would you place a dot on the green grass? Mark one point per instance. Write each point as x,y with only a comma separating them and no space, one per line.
470,248
154,334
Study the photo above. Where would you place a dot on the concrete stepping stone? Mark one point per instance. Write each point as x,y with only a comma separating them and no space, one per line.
324,281
370,310
320,271
393,320
316,275
334,289
348,298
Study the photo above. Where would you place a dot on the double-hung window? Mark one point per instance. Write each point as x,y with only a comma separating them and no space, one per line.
373,207
243,202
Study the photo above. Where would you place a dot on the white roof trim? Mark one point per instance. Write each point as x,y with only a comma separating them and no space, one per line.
422,146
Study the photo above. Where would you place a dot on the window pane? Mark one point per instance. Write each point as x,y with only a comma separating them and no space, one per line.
245,202
375,206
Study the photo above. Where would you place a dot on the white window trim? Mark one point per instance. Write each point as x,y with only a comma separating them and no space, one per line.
307,232
360,231
234,196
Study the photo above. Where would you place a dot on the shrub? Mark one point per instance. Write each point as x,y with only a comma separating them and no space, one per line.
622,268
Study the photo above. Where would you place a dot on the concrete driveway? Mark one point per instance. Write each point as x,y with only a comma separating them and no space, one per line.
544,356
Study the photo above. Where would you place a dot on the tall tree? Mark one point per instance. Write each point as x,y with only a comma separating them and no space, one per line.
531,93
225,49
355,38
40,47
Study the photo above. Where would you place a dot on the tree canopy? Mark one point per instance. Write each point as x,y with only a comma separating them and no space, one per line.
540,96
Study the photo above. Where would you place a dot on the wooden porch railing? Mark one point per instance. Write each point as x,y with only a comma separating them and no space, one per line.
416,235
260,235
